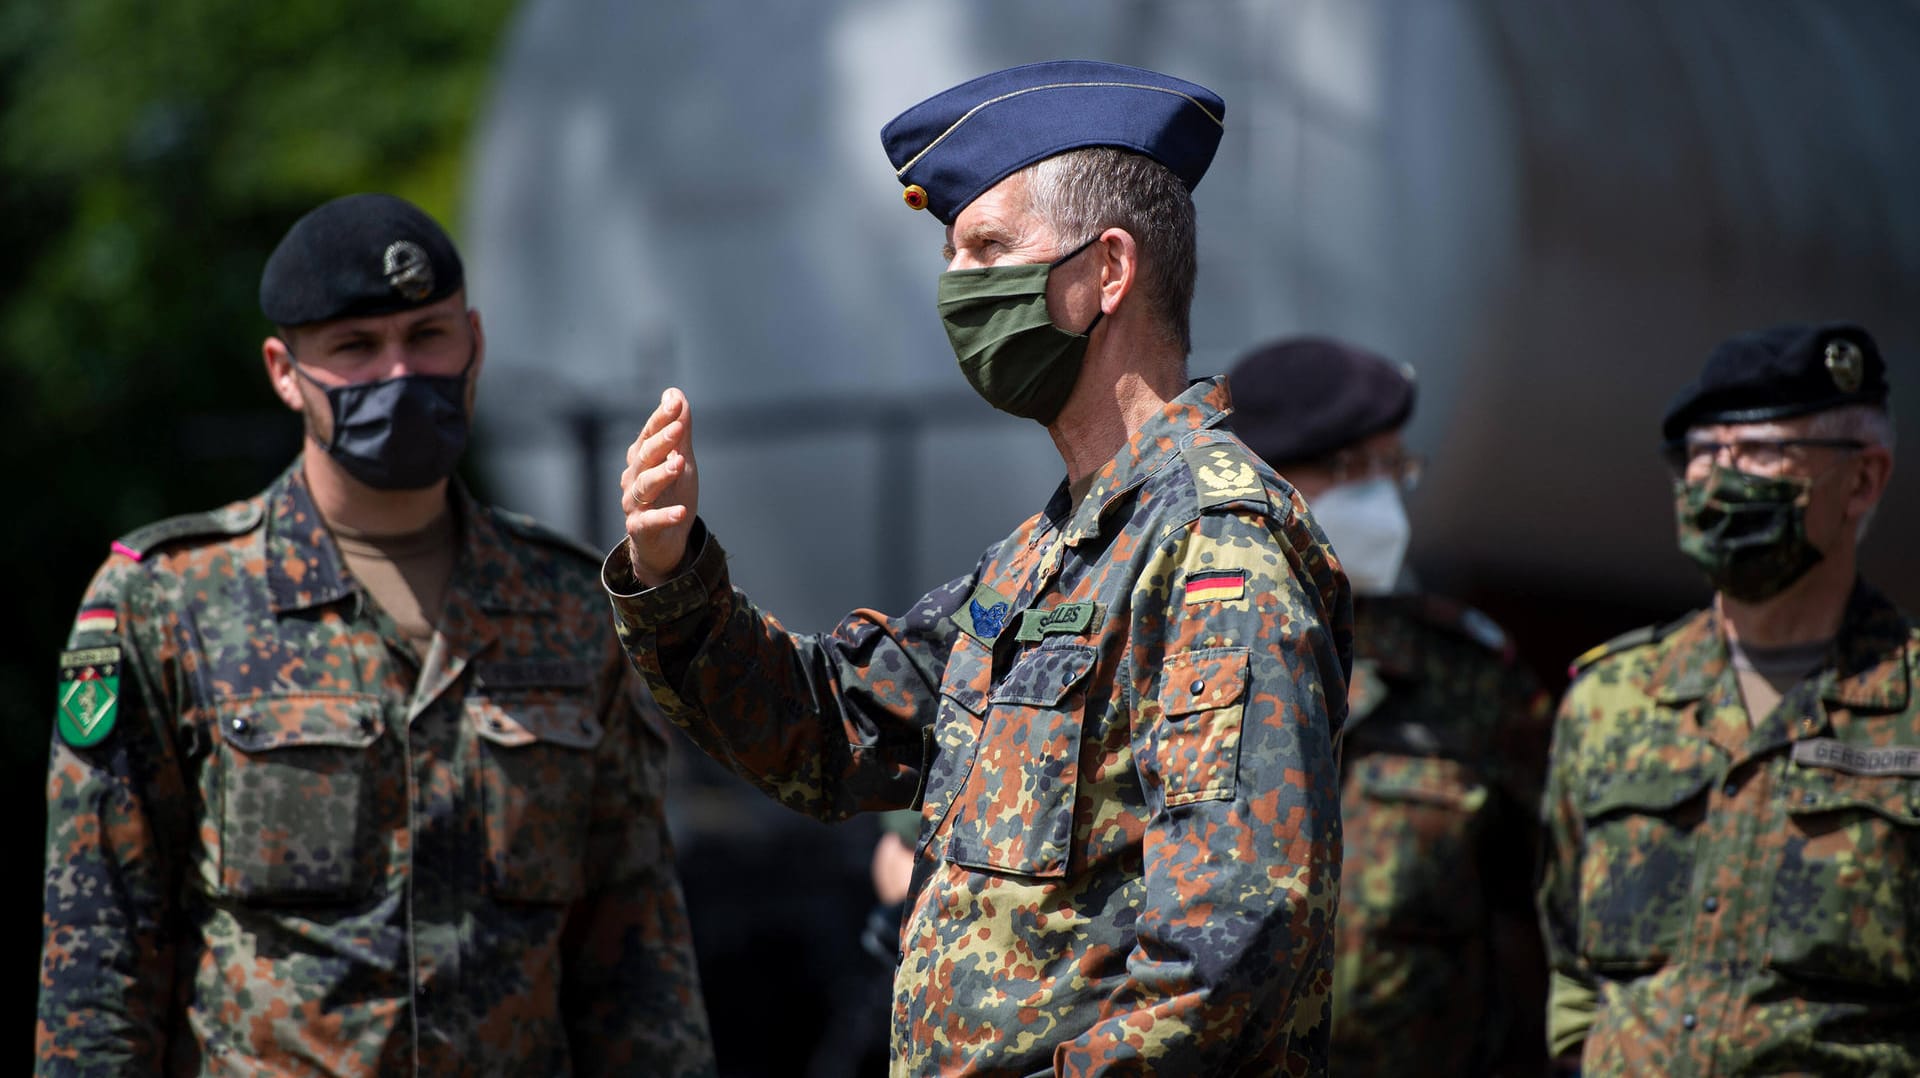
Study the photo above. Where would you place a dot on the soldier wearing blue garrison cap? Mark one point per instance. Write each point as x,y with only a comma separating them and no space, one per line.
1118,727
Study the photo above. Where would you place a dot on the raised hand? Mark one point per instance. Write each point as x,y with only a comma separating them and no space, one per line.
660,490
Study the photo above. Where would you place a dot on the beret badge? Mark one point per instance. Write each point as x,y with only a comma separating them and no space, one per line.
408,270
1845,365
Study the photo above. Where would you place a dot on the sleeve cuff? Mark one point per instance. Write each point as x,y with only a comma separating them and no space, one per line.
691,590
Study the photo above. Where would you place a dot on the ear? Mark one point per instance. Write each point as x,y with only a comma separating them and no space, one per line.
479,343
280,373
1119,267
1869,481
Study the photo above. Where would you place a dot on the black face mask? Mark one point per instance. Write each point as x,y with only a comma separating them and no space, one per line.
404,433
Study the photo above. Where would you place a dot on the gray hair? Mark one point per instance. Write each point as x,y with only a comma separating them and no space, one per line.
1865,422
1080,193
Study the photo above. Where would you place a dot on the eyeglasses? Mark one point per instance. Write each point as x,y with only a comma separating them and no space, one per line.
1761,456
1348,466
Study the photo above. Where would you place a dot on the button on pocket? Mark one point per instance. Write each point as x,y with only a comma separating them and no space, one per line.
536,787
1015,813
1195,744
301,802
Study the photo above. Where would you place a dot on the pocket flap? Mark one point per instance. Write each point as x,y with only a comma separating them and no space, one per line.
1431,780
1894,797
1652,792
1042,676
505,721
265,723
968,674
1202,679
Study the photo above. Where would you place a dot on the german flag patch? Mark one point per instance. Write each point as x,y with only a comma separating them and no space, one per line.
1216,585
96,619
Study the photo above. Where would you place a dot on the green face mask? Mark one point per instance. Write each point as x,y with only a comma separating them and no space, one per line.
1747,532
1010,351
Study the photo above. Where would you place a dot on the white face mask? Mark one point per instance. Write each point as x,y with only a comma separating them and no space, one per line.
1368,527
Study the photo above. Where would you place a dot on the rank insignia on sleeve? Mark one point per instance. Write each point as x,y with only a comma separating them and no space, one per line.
1216,585
89,693
985,614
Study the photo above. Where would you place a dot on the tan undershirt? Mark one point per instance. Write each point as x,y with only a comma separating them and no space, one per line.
406,574
1767,674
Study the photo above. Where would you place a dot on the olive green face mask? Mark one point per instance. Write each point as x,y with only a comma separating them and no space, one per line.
1010,351
1748,533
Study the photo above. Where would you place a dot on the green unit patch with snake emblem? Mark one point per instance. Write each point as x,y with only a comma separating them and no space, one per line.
89,694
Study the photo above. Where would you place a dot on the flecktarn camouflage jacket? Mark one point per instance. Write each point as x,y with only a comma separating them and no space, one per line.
1119,729
270,852
1725,898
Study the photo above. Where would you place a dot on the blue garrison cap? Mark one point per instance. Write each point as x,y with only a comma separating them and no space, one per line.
950,148
355,256
1778,373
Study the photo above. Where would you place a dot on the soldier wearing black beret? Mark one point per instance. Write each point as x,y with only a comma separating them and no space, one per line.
351,776
1437,966
1734,848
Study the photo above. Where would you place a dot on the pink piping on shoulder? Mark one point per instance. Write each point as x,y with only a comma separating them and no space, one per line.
122,548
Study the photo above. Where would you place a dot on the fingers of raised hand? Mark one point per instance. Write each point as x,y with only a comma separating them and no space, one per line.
641,488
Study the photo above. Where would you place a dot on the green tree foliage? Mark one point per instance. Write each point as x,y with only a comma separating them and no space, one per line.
151,154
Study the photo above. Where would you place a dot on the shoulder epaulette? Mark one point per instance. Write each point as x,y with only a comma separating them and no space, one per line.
1224,473
237,518
1469,622
526,527
1627,641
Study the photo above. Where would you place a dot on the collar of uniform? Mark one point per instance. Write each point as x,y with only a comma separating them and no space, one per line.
1691,660
304,567
490,570
1387,634
1204,403
1871,668
303,564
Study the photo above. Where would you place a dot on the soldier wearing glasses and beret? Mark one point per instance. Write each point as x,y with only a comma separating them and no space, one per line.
1733,800
1118,727
1438,968
351,777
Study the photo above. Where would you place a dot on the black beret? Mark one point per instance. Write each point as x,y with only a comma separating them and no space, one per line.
1781,372
355,256
950,148
1307,397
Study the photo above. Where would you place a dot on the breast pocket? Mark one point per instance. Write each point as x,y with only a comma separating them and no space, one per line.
1846,903
1411,825
956,734
1015,813
302,797
1196,744
1636,868
536,774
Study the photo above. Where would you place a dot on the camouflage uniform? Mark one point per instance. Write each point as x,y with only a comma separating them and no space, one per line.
1438,969
1727,899
284,859
1119,730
